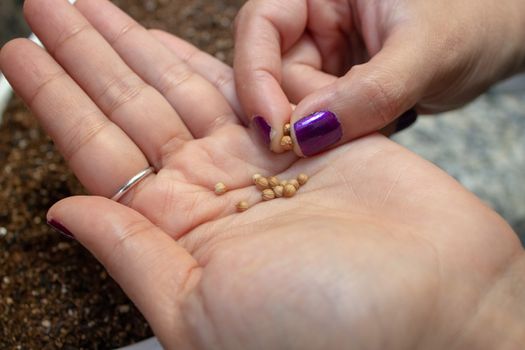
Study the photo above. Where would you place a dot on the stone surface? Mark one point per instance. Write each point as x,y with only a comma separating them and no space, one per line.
483,146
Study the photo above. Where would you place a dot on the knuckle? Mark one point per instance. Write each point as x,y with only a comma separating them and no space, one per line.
223,80
80,135
68,35
384,96
127,235
127,28
120,91
174,76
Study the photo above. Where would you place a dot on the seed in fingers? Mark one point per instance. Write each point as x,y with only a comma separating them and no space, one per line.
286,129
287,143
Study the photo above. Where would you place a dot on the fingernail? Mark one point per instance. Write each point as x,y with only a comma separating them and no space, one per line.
406,120
60,228
317,132
263,129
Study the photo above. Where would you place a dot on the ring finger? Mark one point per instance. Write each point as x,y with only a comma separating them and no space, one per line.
100,154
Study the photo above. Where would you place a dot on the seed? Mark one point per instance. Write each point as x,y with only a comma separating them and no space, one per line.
289,191
278,190
302,179
295,183
262,183
286,129
242,206
255,177
220,189
268,195
273,181
287,143
283,183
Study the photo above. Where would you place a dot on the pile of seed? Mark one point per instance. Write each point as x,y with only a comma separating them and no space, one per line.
271,188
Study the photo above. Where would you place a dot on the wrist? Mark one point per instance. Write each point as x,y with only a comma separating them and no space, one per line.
499,322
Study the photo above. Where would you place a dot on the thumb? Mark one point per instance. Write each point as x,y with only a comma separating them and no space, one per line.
368,98
153,270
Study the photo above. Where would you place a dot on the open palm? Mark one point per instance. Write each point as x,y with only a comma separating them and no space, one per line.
375,248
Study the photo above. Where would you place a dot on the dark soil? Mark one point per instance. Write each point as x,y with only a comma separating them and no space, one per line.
53,294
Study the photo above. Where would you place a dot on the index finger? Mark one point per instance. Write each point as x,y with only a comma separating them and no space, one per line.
264,30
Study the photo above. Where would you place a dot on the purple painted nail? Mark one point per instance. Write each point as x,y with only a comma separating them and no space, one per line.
318,131
263,129
60,228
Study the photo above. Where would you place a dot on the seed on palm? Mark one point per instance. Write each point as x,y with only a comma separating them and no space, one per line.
268,195
242,206
302,179
294,183
220,189
289,191
279,191
262,183
273,181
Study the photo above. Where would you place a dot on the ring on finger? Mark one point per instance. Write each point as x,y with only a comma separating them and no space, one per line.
132,183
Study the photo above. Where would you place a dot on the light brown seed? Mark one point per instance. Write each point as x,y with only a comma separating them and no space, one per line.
220,189
302,179
286,129
289,191
242,206
262,183
287,143
295,183
283,183
278,190
268,195
255,177
273,181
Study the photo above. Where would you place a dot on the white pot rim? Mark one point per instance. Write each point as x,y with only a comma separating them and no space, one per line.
5,95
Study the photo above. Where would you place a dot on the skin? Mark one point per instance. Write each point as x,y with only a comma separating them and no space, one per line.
370,61
380,249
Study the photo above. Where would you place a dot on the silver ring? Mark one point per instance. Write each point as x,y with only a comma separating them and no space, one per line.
132,183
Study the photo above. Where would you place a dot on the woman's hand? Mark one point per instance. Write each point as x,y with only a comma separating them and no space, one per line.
369,61
379,249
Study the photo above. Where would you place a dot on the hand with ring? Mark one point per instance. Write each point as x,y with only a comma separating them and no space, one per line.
379,249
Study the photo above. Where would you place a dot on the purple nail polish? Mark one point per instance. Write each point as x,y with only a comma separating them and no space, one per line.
263,129
318,131
406,120
60,228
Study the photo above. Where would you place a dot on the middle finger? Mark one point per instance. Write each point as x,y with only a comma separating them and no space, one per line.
169,74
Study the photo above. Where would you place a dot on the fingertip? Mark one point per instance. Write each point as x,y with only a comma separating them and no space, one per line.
11,47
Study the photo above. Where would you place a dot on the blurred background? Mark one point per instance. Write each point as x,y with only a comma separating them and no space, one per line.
53,294
12,23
